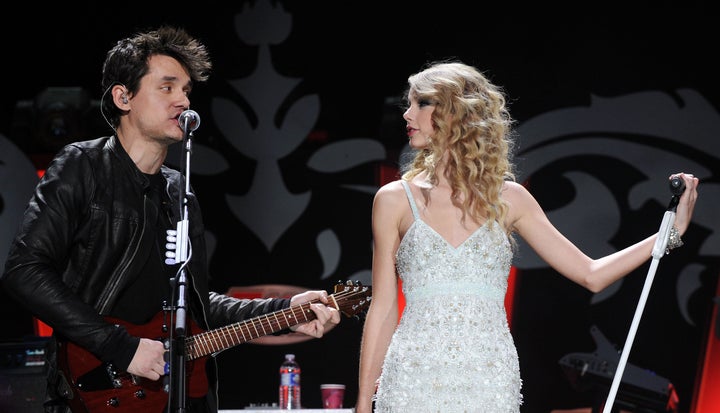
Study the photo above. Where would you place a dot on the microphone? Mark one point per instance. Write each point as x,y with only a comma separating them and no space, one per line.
677,185
189,120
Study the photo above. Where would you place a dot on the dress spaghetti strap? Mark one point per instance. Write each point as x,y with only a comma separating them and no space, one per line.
413,206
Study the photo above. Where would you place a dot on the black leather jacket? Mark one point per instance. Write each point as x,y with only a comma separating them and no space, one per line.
83,235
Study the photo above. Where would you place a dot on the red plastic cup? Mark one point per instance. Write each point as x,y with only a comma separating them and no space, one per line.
332,395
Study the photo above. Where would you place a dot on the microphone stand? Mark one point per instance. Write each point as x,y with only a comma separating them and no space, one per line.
659,250
178,397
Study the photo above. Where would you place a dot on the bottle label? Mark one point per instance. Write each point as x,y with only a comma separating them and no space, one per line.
290,379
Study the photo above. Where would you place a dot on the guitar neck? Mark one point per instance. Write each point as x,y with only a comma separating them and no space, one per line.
97,387
213,341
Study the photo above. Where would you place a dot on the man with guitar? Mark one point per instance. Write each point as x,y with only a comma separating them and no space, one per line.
89,255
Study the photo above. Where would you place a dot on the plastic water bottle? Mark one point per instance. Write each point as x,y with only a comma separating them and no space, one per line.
290,383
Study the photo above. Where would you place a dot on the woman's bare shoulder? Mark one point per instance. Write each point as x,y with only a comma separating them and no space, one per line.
520,202
391,193
514,191
392,188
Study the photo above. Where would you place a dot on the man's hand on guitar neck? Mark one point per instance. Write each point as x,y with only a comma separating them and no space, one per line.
327,315
149,360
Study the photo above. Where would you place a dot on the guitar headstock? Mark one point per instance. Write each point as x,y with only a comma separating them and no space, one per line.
352,298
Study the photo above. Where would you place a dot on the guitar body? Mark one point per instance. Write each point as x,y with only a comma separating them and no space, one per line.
99,388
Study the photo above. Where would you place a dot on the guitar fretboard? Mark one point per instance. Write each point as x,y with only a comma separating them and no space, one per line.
97,387
210,342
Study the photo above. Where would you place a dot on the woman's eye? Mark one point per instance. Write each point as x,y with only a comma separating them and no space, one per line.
424,102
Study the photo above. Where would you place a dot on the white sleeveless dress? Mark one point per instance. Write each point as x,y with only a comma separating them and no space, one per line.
452,350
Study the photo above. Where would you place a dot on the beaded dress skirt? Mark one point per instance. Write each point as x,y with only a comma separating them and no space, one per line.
452,350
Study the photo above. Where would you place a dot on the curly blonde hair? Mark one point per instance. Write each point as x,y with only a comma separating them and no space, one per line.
473,128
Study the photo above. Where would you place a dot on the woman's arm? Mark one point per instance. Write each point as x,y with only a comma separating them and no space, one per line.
532,224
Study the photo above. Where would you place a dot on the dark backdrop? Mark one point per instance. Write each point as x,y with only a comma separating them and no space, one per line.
354,56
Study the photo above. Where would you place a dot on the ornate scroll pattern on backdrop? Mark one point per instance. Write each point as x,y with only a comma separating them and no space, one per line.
267,207
637,141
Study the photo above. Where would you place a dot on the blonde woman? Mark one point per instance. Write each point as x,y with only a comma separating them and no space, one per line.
446,229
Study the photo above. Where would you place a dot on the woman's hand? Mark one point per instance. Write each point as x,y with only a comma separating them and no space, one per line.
686,204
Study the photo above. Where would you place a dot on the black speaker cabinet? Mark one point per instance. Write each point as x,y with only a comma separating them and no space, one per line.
22,376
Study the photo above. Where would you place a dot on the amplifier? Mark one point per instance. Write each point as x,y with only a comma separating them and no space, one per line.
22,376
641,390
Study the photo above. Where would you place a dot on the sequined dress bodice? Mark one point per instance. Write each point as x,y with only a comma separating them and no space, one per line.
452,350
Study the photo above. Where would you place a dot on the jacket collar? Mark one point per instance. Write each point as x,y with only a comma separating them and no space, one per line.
136,175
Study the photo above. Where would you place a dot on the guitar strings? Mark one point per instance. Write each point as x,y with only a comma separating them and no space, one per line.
209,342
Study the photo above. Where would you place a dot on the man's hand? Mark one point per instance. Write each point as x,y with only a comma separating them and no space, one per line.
327,317
149,360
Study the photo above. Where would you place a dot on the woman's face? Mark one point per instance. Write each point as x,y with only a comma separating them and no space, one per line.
420,128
